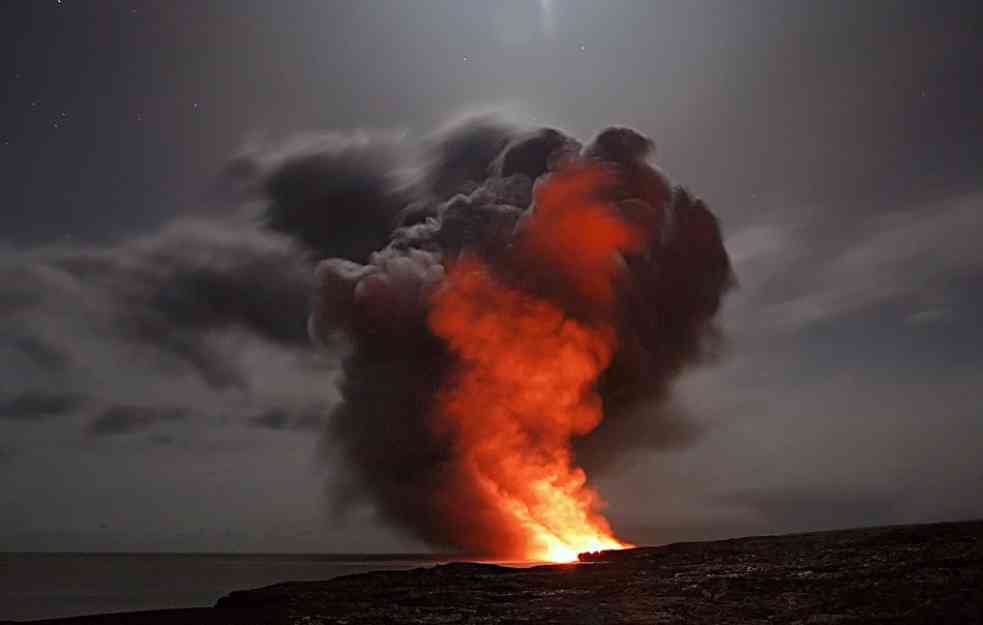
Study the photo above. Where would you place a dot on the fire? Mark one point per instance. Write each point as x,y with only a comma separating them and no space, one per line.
524,385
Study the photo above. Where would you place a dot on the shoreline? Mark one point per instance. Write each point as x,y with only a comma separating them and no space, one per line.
896,574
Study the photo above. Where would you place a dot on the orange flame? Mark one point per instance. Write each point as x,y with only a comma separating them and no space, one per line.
524,387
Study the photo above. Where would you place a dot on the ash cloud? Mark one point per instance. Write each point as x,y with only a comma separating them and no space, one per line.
473,185
339,195
218,315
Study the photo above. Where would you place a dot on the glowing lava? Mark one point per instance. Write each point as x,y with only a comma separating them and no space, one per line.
524,383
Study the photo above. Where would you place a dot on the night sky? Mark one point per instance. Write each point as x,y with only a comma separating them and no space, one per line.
840,143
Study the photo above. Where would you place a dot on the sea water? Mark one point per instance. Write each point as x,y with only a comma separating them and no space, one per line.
42,585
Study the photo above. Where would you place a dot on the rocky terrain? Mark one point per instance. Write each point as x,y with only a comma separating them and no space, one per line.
906,574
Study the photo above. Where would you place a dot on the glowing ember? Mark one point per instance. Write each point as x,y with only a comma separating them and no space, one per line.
524,384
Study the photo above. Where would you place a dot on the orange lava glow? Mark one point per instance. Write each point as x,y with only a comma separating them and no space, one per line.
524,386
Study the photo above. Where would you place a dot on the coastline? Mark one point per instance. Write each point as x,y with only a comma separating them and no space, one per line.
899,574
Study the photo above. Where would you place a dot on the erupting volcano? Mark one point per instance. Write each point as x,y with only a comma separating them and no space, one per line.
524,381
519,328
522,389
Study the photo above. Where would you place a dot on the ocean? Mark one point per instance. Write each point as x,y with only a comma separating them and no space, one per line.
53,585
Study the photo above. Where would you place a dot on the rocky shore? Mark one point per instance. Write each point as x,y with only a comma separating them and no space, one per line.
905,574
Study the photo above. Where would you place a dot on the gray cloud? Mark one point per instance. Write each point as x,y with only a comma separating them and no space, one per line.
33,404
161,298
817,507
209,314
124,419
800,268
285,418
41,352
792,443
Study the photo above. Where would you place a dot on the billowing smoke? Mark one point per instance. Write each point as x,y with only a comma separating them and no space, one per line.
392,222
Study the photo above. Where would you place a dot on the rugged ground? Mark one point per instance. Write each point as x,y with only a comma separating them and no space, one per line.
908,574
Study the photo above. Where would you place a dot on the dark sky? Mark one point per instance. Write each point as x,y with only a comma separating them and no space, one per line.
839,142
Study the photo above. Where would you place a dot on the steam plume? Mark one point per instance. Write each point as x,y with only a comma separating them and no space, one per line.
390,244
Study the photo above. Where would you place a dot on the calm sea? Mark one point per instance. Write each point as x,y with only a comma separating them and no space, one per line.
41,585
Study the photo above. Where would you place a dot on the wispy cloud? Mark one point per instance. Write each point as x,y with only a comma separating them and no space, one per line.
798,270
34,404
203,319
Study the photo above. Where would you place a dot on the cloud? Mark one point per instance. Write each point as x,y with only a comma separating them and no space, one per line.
890,443
799,268
30,405
124,419
338,194
823,506
284,418
208,315
7,454
161,297
481,196
40,352
930,316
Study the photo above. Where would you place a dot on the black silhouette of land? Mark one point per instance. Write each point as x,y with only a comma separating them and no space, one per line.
889,575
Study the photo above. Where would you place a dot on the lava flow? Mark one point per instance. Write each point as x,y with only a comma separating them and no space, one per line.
523,386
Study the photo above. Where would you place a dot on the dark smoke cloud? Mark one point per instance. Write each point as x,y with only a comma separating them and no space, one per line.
457,157
652,422
125,419
472,187
384,218
339,195
35,404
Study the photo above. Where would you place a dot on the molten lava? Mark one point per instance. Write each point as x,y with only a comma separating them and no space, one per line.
526,367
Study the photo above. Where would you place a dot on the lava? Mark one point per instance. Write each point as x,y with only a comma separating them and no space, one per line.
526,367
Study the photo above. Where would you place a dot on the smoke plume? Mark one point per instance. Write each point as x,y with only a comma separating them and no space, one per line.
503,227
